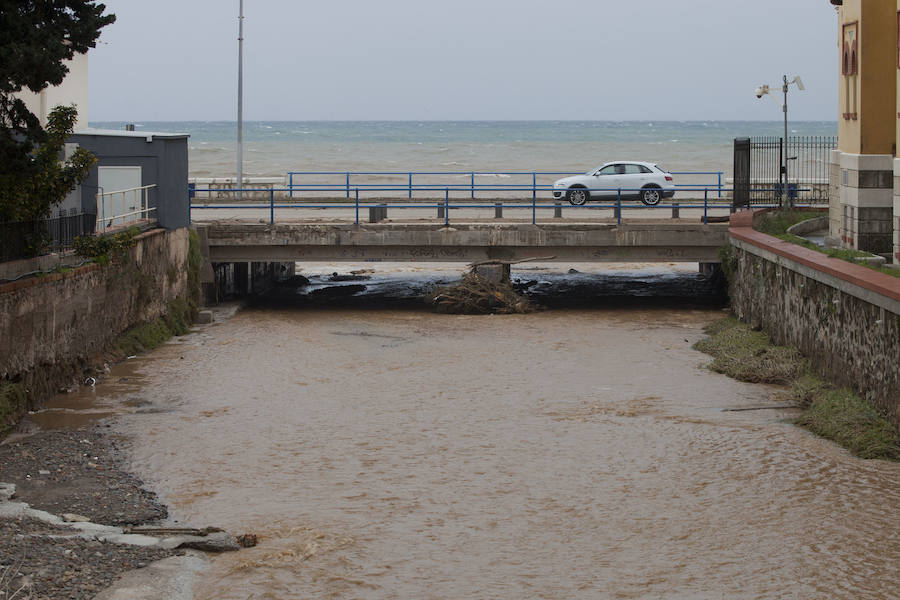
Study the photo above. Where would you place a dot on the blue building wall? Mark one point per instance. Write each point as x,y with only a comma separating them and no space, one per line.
163,159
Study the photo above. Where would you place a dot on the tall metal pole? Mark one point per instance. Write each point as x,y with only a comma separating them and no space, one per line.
240,106
784,188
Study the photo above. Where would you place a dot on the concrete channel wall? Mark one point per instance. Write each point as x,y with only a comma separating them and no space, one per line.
843,317
53,327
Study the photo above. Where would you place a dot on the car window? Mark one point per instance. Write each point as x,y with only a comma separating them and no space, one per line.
645,169
632,169
607,170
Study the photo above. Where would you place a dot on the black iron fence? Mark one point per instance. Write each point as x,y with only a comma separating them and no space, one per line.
24,239
759,177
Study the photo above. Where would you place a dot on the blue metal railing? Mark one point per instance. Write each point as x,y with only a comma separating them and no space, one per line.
612,200
347,185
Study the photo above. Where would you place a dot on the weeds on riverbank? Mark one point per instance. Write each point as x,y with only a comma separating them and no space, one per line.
143,338
747,355
840,415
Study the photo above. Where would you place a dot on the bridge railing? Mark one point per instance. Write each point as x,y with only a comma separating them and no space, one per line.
602,198
408,183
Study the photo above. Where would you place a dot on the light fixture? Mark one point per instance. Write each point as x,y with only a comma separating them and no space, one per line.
765,90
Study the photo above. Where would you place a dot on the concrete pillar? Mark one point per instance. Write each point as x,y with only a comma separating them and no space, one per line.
498,210
710,269
676,212
495,273
557,210
377,213
242,277
442,206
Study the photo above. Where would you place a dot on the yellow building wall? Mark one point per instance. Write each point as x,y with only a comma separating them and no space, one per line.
873,130
849,138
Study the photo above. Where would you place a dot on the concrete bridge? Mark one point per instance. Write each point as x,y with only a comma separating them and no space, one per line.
669,240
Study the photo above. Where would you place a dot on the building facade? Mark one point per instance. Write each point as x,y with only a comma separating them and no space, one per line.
864,210
73,90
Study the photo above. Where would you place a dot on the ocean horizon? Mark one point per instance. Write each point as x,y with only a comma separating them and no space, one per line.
273,148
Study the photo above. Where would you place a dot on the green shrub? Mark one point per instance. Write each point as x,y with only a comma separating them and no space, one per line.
103,248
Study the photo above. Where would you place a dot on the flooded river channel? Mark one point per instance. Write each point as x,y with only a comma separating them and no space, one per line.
573,453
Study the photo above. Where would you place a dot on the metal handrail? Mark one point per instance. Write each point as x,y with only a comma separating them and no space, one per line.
533,205
410,187
104,221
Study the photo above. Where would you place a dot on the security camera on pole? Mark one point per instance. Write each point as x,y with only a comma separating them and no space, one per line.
764,90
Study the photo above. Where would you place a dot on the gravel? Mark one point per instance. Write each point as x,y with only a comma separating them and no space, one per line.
79,472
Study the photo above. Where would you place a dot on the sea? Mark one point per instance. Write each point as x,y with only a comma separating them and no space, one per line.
274,148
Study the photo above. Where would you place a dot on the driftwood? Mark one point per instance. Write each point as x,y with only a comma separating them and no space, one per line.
477,295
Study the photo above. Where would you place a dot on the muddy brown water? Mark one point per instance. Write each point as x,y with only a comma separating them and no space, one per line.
565,454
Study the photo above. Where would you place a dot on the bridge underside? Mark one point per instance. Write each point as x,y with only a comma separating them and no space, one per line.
686,242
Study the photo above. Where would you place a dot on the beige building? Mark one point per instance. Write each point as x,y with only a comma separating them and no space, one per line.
865,208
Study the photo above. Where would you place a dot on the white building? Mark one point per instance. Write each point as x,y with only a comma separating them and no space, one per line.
73,90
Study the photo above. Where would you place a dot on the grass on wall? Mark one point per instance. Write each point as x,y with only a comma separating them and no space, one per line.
776,224
837,414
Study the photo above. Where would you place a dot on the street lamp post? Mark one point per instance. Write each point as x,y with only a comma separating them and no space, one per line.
240,103
764,90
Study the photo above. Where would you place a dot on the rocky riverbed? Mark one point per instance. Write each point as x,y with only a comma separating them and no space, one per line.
78,475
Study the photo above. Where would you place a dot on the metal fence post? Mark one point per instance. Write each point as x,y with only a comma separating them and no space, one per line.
720,184
348,184
533,183
473,186
357,206
446,207
410,185
705,203
271,206
290,184
533,209
619,207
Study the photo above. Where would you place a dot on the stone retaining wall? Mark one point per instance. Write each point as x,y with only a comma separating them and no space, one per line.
54,327
843,317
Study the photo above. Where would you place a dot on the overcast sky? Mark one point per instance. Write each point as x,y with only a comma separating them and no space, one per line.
169,60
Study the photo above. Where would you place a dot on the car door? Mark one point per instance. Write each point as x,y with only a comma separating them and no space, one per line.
606,180
633,180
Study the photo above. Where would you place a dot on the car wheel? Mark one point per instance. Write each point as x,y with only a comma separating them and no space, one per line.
651,195
577,196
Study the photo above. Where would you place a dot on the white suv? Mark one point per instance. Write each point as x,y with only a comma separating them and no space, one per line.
645,181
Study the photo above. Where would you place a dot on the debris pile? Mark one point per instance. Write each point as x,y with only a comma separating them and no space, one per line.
478,295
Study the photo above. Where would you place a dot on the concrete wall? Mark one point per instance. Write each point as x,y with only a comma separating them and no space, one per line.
163,160
53,327
843,317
